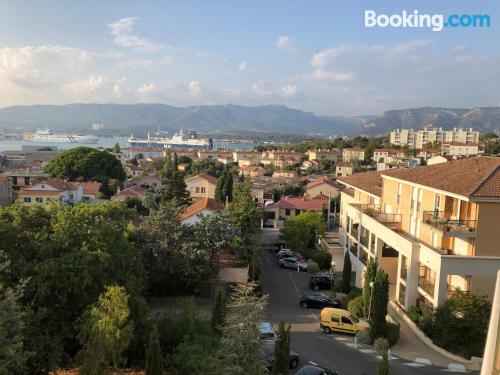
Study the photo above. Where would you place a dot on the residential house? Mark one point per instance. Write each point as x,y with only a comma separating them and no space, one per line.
322,186
214,154
460,149
203,206
320,155
343,169
143,152
275,214
427,153
249,162
239,155
91,190
252,171
201,186
289,176
135,191
5,191
313,165
282,155
353,154
258,192
144,181
52,189
433,228
385,155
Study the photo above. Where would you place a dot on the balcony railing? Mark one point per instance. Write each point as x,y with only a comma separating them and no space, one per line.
376,211
427,285
354,249
404,273
364,241
354,232
438,220
363,256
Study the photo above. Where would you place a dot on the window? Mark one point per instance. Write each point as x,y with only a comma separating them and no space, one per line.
398,198
39,199
197,189
297,212
27,199
287,212
335,319
346,320
202,190
437,202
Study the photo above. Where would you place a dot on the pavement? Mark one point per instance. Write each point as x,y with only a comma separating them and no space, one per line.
335,351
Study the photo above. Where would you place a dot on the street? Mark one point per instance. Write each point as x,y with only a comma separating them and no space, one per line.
334,351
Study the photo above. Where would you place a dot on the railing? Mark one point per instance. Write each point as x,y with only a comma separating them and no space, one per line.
354,232
438,220
364,241
427,285
363,256
404,273
354,249
376,211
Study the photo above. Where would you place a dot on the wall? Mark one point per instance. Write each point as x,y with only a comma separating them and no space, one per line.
488,234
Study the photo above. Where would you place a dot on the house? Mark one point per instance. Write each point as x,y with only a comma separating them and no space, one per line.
252,171
91,190
226,160
5,191
144,181
203,206
258,192
52,189
214,154
201,186
436,160
353,154
136,191
248,162
343,169
276,213
320,155
282,155
239,155
322,186
433,228
143,153
310,165
427,153
460,149
289,176
385,155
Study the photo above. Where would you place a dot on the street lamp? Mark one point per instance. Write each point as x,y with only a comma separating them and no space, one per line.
371,295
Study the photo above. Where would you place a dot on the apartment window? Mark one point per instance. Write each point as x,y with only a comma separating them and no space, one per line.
437,202
427,279
27,199
398,198
39,199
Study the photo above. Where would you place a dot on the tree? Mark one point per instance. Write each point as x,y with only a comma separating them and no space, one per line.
241,348
379,304
219,311
370,273
346,274
85,163
300,232
116,148
154,357
105,332
244,212
282,350
224,188
384,366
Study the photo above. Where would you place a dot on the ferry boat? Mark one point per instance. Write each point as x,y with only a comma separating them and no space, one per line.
47,135
178,140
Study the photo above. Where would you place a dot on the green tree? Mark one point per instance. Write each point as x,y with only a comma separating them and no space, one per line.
241,348
370,273
384,367
346,274
282,350
219,311
116,148
244,212
106,332
300,232
224,188
85,163
379,304
154,357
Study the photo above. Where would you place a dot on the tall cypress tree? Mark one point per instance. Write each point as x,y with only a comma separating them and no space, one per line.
282,350
346,274
175,162
154,358
384,367
219,311
370,273
219,189
380,300
228,186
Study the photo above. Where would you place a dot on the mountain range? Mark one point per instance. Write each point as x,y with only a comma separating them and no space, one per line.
124,119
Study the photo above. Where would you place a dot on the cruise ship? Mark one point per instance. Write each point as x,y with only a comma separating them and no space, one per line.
47,135
178,140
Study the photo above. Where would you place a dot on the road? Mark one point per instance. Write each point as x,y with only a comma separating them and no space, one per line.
333,351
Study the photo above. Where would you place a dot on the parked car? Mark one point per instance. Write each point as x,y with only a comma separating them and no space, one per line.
340,320
317,300
321,281
284,252
293,263
266,332
315,369
269,355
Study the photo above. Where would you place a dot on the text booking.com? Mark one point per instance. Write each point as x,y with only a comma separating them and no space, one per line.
435,22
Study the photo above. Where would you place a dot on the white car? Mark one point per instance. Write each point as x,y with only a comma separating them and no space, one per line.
293,264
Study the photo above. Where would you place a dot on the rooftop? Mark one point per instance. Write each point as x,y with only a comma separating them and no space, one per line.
200,205
316,204
321,180
371,182
206,177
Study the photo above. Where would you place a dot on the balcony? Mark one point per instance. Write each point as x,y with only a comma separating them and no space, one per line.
376,211
426,285
449,227
354,249
404,273
363,256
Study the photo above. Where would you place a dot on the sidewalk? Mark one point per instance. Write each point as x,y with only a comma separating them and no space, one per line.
411,347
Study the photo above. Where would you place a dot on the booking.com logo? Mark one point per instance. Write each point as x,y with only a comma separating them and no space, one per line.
436,22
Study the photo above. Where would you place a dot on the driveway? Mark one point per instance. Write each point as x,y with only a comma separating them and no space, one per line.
335,350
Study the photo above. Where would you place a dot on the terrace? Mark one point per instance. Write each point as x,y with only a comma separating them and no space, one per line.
450,227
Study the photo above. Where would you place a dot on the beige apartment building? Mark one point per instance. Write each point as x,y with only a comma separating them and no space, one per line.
418,139
353,154
322,155
433,229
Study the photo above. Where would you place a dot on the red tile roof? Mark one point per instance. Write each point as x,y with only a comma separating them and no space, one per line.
316,204
200,205
134,191
321,180
205,176
371,182
91,188
471,177
40,193
56,183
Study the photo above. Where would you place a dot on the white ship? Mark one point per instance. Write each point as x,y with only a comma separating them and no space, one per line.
47,135
178,140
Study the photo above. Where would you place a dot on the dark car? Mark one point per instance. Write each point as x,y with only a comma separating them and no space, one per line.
269,355
321,281
316,370
317,300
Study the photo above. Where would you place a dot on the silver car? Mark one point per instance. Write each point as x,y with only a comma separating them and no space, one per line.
293,264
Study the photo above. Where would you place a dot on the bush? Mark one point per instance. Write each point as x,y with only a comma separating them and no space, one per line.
356,306
355,292
312,267
381,345
322,258
414,314
343,299
364,337
392,333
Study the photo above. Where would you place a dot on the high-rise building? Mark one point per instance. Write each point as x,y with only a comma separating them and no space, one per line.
418,139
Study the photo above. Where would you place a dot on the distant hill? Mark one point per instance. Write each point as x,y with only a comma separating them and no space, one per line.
123,119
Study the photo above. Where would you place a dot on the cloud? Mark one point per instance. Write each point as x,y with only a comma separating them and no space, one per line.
289,90
146,88
86,86
242,67
284,43
123,35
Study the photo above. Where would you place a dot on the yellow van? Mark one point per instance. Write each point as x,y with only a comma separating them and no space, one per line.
339,320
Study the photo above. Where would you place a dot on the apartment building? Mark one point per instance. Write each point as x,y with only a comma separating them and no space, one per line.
433,229
343,169
322,155
353,154
385,155
418,139
460,149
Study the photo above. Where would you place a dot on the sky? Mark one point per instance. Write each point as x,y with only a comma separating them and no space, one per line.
311,55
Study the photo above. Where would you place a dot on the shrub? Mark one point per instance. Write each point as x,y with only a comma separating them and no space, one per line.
414,314
381,345
384,367
356,306
312,267
342,298
323,259
392,333
355,292
364,337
